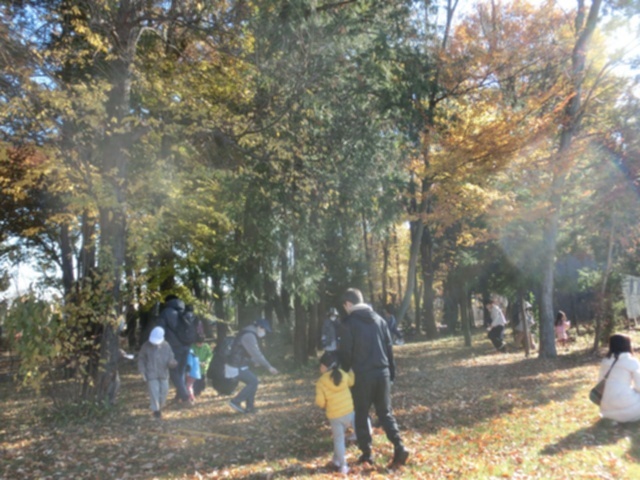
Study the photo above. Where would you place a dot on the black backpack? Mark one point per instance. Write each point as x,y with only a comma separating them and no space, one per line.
221,352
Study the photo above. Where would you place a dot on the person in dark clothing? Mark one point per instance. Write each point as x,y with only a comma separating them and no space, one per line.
392,323
169,320
366,347
330,331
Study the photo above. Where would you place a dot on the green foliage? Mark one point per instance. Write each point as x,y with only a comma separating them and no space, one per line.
58,345
241,152
32,328
79,413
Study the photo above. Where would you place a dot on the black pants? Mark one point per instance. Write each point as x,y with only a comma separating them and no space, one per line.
177,374
374,390
496,335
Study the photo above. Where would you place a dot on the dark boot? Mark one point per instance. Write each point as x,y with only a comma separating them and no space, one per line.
400,457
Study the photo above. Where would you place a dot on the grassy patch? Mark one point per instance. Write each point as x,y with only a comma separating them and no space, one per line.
464,412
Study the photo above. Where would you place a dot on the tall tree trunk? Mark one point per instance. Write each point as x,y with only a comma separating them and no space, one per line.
66,259
602,307
396,247
367,253
312,334
417,228
285,295
300,329
520,315
429,320
218,296
417,305
114,171
385,267
466,318
571,123
87,261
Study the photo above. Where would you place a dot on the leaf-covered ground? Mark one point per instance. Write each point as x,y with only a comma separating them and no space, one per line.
464,412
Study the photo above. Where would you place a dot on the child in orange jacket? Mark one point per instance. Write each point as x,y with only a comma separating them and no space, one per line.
333,394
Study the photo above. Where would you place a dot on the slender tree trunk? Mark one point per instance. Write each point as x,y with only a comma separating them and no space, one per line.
416,239
87,261
300,329
385,267
312,335
114,173
398,269
429,320
66,259
218,297
602,307
574,110
464,313
367,253
521,314
417,305
285,296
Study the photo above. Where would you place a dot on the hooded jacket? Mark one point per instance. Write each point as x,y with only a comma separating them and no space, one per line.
365,344
169,318
154,361
336,399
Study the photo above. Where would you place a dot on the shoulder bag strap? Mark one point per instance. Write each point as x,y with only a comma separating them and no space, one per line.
609,371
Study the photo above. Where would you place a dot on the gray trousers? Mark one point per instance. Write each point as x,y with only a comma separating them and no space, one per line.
338,428
158,390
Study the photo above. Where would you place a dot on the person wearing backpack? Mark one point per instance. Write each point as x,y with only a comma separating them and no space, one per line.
244,352
179,327
329,339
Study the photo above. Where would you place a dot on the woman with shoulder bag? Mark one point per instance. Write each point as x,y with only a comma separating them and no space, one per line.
621,398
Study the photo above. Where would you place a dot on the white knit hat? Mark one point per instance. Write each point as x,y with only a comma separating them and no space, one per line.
157,336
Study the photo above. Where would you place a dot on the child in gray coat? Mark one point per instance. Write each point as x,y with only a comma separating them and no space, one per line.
154,361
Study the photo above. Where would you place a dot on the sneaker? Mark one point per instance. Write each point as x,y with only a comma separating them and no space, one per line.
365,458
344,469
400,458
157,414
251,410
237,407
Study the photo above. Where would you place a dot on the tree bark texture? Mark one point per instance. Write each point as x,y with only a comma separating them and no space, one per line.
570,125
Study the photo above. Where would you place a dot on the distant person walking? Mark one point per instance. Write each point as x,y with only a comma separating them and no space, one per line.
621,398
496,329
329,338
333,394
155,360
520,337
366,347
562,325
392,323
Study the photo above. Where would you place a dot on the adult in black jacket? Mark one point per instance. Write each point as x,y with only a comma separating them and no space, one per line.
366,347
170,320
